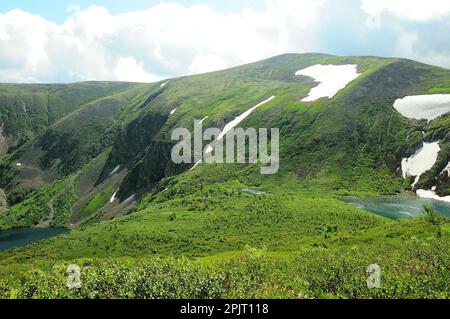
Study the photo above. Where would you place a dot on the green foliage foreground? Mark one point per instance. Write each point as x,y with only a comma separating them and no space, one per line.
417,269
257,248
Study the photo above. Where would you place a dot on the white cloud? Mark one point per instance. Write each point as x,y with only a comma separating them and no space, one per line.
164,40
412,10
128,69
169,39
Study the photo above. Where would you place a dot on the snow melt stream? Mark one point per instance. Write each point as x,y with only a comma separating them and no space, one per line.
114,170
331,78
113,197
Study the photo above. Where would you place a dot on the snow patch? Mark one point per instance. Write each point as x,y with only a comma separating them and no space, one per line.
423,106
236,122
432,195
113,197
331,78
195,165
114,170
19,164
421,162
447,169
252,191
130,198
163,85
173,111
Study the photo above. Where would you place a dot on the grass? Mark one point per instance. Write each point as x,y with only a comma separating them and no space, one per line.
444,90
98,201
238,255
51,206
409,270
27,110
225,243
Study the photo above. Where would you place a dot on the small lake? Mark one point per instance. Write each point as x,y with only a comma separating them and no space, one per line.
396,207
24,236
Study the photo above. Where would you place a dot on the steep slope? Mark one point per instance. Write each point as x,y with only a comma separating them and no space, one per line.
222,96
61,150
71,142
27,110
319,139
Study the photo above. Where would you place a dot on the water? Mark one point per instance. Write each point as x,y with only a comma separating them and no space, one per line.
396,207
24,236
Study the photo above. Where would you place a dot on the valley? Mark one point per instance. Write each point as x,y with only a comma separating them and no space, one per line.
361,152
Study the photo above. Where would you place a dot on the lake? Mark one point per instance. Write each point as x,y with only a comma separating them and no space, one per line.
24,236
396,207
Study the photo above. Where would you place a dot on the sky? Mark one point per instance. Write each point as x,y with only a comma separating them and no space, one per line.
150,40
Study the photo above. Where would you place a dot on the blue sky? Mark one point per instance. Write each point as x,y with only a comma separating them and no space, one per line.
56,10
148,40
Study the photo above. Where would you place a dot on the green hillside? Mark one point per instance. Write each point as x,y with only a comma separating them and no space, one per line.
27,110
33,114
98,161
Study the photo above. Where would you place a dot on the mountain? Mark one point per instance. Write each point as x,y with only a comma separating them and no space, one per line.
96,157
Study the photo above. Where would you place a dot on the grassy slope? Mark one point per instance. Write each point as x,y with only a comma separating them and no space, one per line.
27,109
65,148
80,136
290,242
50,206
226,94
318,139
